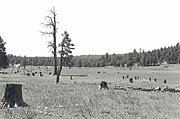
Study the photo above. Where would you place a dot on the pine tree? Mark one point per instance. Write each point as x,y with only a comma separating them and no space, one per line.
4,62
65,52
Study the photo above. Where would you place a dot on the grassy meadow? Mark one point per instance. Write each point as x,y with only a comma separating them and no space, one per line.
80,97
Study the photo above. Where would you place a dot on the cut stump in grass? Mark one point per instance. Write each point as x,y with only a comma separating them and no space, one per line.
104,85
131,80
13,96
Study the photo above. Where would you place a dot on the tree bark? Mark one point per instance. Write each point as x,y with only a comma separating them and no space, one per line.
55,49
13,96
55,63
60,69
58,75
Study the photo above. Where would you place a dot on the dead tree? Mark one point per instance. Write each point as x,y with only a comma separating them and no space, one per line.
65,52
13,96
52,25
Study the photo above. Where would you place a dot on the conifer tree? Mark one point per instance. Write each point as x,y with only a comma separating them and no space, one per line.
65,52
4,62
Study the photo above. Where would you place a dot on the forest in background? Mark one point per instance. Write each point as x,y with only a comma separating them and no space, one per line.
170,55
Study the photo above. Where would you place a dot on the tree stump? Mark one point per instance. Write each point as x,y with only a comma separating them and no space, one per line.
155,79
13,96
71,77
131,80
104,85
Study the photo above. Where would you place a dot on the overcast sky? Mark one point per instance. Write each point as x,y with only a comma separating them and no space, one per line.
95,26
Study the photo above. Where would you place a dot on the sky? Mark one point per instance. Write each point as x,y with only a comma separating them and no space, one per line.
95,26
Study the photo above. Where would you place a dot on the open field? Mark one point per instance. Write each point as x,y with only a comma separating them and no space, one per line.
80,97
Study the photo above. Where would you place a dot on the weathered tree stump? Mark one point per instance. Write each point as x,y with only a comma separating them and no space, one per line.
104,85
33,74
40,73
149,78
13,96
131,80
155,79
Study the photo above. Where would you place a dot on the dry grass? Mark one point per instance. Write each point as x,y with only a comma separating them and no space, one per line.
83,100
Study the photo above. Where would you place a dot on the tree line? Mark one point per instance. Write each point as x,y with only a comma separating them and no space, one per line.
171,55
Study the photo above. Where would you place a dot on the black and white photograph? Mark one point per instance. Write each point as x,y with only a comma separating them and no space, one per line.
89,59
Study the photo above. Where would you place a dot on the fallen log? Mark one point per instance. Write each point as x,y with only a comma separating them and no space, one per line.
147,89
77,75
120,88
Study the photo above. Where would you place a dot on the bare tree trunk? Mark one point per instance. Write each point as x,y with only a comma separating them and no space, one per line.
55,62
58,75
55,49
60,68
